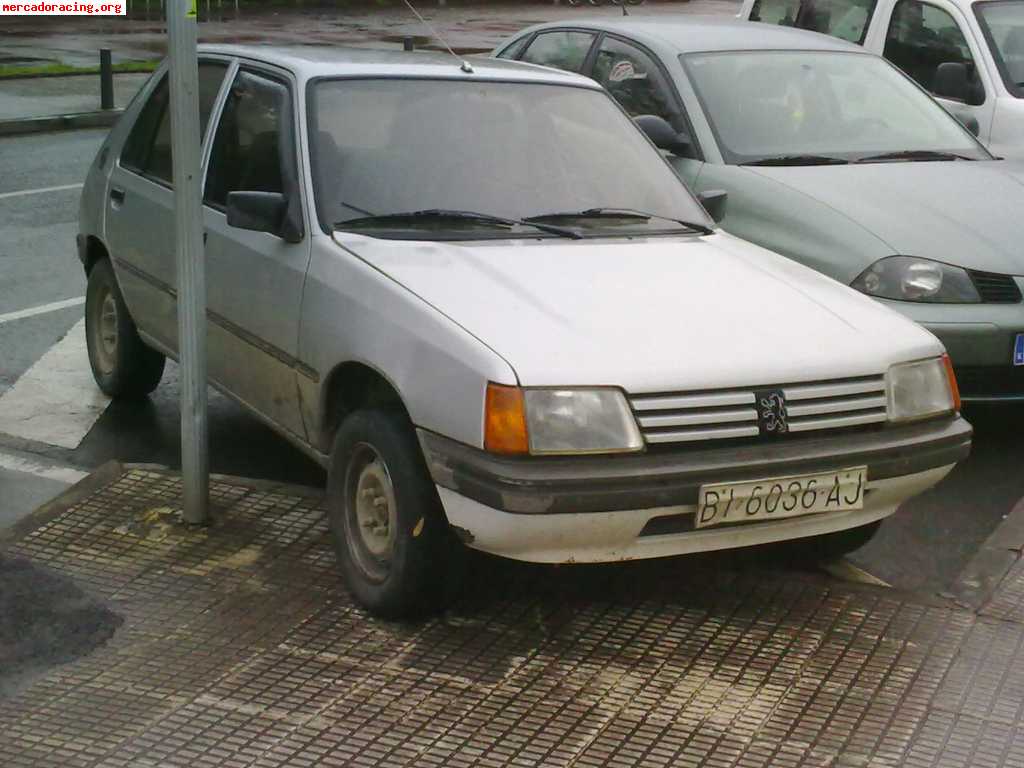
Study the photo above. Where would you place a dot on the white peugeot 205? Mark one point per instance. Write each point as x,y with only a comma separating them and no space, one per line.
479,296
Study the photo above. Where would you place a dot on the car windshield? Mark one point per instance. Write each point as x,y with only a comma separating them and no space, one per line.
454,159
1003,24
804,107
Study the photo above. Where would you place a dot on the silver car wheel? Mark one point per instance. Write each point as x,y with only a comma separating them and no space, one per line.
371,514
104,329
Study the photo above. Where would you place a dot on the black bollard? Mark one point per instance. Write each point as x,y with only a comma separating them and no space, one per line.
106,80
407,43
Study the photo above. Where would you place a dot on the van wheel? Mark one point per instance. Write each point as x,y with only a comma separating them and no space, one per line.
123,366
394,547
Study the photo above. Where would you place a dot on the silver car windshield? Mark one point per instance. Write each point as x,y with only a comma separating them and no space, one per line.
454,159
1003,24
802,107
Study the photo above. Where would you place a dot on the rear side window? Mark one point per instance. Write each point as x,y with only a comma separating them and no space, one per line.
845,19
923,36
148,147
562,49
246,154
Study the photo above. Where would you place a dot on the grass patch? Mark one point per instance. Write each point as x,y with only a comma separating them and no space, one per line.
35,70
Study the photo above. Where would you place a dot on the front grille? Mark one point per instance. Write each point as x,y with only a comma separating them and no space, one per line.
990,381
995,289
731,413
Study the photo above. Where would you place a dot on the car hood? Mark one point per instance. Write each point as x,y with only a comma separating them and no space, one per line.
966,213
650,315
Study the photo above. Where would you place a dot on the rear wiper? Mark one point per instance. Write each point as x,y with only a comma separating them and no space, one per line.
618,213
911,155
799,160
441,214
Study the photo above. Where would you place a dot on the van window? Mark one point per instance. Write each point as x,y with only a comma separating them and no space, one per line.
845,19
921,37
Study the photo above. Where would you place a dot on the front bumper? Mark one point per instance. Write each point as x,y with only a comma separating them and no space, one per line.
979,339
599,508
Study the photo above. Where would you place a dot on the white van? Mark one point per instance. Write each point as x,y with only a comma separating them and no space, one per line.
969,54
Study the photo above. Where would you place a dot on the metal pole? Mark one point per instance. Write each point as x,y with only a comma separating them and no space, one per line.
106,80
188,241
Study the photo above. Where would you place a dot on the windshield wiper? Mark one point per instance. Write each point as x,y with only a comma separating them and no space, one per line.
442,214
618,213
799,160
910,155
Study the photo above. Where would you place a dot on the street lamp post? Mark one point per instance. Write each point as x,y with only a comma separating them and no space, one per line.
188,245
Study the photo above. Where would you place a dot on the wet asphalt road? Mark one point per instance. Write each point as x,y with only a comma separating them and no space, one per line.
923,547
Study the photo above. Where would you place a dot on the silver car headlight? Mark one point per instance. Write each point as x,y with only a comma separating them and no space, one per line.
921,389
908,278
580,421
559,421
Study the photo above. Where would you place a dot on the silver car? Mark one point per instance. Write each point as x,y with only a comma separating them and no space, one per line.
440,282
830,156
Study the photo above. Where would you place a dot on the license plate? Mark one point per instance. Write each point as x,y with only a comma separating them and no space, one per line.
781,497
1018,350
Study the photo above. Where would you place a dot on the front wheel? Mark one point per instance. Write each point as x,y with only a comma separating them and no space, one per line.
394,547
831,546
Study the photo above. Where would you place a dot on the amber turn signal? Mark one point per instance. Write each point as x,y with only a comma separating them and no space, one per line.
954,388
505,420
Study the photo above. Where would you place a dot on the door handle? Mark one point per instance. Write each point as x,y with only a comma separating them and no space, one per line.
116,195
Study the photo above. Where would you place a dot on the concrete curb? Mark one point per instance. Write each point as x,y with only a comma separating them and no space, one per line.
78,120
85,73
983,574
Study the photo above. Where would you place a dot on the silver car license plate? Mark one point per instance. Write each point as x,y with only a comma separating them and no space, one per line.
781,497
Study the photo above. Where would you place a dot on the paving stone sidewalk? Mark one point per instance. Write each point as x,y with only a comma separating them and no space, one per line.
237,646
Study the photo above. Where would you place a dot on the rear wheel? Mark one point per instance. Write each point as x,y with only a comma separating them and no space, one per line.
394,547
123,366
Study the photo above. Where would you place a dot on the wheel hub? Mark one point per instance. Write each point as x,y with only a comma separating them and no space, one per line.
104,332
373,514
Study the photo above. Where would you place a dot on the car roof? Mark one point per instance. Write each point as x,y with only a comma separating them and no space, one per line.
311,61
690,34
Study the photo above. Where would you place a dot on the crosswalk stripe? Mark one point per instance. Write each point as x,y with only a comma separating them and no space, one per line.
55,401
42,309
63,474
39,190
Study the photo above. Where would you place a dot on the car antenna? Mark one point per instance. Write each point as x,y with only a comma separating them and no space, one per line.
465,66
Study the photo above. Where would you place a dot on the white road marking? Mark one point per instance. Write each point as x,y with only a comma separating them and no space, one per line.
26,466
55,401
39,191
42,309
844,570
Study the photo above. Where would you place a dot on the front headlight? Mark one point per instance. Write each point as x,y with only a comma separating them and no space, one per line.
922,389
907,278
553,421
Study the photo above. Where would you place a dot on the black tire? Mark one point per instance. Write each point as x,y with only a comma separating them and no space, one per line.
123,366
832,546
402,569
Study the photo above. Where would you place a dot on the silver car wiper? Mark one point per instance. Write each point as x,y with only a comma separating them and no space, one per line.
799,160
446,213
618,213
910,155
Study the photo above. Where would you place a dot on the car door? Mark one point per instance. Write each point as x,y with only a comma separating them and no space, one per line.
255,279
139,227
921,37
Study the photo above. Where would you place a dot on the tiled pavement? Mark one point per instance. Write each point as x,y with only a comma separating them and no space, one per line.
240,648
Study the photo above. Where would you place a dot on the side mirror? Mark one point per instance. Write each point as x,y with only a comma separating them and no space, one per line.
714,201
951,81
663,134
257,211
